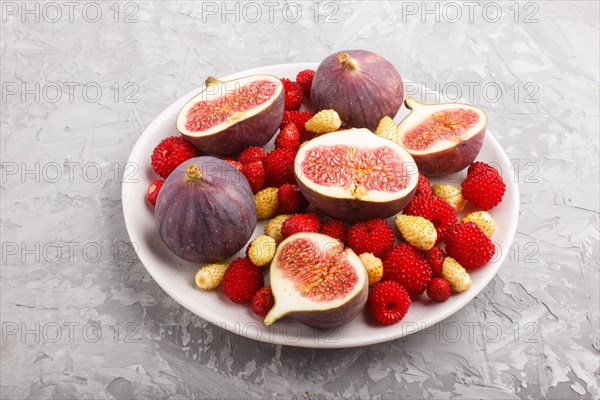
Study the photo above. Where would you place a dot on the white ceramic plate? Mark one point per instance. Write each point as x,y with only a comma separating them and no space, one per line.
176,276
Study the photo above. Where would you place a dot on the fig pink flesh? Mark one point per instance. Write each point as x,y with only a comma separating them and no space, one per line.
322,275
378,168
449,124
206,114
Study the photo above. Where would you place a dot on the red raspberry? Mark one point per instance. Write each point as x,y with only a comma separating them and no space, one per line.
262,302
279,167
288,138
438,290
300,223
336,229
305,79
170,153
255,174
233,163
299,118
407,266
388,302
252,154
153,190
434,209
290,199
242,280
374,236
294,95
468,245
483,188
423,187
479,167
435,259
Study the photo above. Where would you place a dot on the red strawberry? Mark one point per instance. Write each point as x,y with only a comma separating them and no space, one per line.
255,174
407,266
290,199
153,190
435,259
305,79
262,302
294,95
279,167
468,245
171,152
299,118
436,210
242,280
374,236
233,163
438,290
388,302
423,187
483,188
252,154
479,167
336,229
300,223
288,138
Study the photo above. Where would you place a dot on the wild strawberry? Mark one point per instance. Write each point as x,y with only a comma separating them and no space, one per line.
266,202
300,223
288,137
153,191
235,164
299,118
438,290
417,231
290,199
305,79
450,194
435,210
324,121
262,302
456,275
336,229
251,155
294,95
242,280
435,259
210,276
484,189
374,267
483,220
407,266
387,129
273,227
468,245
423,187
255,174
170,153
479,167
388,302
279,167
373,236
262,250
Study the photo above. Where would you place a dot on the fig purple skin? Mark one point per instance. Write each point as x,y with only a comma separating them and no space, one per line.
361,86
205,214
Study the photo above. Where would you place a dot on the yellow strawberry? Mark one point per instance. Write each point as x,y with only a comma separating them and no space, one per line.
456,275
273,228
324,121
450,194
387,129
262,250
417,231
210,276
374,267
266,202
482,219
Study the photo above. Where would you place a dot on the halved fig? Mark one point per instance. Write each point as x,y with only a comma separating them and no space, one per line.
316,281
227,117
356,175
442,138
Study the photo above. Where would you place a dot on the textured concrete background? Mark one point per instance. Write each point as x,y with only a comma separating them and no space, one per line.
81,317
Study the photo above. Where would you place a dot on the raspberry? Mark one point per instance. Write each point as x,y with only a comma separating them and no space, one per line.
294,95
324,121
388,302
153,190
435,259
479,167
300,223
288,138
423,187
170,153
336,229
251,154
483,188
236,164
242,280
299,118
279,167
468,245
407,266
435,210
417,231
290,199
438,290
262,302
255,174
305,79
374,236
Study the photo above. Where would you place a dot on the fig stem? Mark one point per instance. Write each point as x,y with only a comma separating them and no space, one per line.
346,61
193,172
210,81
411,103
